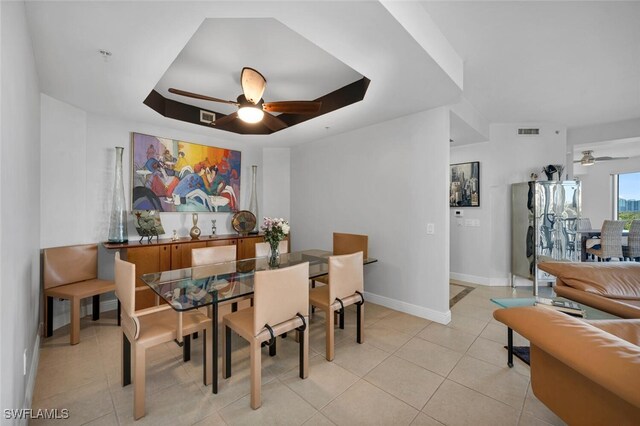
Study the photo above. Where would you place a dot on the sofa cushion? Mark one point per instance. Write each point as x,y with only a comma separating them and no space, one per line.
613,280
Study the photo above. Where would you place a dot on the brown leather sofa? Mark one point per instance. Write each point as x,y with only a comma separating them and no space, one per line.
611,287
588,373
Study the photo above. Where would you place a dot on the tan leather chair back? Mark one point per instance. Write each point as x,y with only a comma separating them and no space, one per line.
634,239
72,264
611,238
125,276
209,255
350,243
264,249
280,294
346,275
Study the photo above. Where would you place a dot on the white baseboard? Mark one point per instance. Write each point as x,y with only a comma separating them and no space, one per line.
33,370
63,317
473,279
409,308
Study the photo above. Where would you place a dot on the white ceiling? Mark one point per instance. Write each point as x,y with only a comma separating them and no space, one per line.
146,37
212,60
574,63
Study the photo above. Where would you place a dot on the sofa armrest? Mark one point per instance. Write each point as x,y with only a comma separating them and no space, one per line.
602,357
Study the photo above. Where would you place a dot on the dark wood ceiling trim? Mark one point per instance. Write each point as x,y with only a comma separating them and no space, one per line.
347,95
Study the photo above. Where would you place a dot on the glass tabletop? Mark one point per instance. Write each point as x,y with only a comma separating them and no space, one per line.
591,313
191,288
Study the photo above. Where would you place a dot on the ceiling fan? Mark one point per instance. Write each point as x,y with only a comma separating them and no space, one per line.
589,160
251,107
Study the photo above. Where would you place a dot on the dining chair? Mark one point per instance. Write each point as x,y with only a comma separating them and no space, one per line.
610,241
344,244
145,328
281,305
212,255
632,250
346,285
264,249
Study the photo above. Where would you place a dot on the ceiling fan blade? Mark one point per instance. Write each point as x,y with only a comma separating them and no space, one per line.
253,84
273,122
293,107
611,158
202,97
226,119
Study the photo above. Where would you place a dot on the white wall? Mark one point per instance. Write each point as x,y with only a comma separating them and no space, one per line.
277,193
482,254
597,187
387,181
19,209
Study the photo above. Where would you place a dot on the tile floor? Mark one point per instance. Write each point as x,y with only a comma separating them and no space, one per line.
408,371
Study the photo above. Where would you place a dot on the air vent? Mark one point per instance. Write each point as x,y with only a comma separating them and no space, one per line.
207,117
528,132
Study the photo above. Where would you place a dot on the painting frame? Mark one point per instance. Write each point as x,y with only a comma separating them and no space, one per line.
464,184
172,175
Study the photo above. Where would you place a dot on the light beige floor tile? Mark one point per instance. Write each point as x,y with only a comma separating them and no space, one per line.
84,404
59,351
358,358
498,333
326,381
365,404
527,420
467,324
180,404
67,376
373,312
501,383
448,337
535,408
318,420
423,420
454,404
106,420
429,355
280,406
405,323
385,338
212,420
496,354
405,380
477,312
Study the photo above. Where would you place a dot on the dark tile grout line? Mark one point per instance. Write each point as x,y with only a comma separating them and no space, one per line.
458,297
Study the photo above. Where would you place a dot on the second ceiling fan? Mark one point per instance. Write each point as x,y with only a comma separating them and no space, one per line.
251,106
589,160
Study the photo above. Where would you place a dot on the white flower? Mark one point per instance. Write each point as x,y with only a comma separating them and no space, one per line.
285,228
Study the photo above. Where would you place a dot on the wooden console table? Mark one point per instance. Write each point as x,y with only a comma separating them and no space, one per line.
165,255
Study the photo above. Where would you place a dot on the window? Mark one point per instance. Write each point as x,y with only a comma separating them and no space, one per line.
627,197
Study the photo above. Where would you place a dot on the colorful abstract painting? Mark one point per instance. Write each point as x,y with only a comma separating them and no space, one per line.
176,176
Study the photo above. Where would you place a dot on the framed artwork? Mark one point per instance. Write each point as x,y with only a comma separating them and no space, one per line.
464,185
176,176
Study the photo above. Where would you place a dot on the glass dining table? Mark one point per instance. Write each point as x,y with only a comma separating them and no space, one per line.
209,285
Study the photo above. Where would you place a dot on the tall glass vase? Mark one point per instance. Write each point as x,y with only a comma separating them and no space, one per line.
118,219
253,203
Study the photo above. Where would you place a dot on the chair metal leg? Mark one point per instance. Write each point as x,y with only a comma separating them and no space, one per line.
272,347
186,348
119,312
359,321
96,307
195,335
49,316
341,319
227,353
126,361
207,360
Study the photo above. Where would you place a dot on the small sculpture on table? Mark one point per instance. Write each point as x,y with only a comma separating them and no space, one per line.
213,227
148,224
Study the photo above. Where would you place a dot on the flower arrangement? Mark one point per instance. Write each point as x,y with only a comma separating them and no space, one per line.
275,230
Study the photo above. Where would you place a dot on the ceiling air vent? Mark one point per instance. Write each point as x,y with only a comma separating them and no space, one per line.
528,132
207,117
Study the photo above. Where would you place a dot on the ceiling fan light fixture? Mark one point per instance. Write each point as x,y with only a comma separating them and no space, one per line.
250,114
587,162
